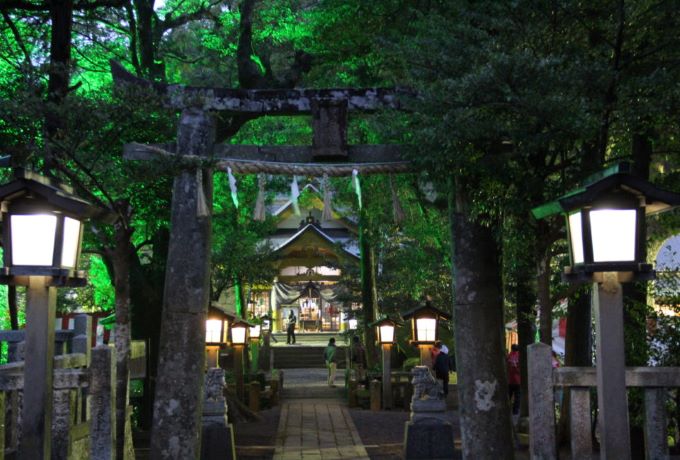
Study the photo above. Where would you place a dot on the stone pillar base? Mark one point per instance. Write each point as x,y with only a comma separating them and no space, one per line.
428,439
218,442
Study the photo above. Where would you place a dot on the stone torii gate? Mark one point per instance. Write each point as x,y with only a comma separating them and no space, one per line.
178,399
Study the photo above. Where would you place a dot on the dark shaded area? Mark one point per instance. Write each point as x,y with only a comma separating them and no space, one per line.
256,440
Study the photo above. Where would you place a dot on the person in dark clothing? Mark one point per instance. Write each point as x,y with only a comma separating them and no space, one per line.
441,367
358,359
290,328
514,378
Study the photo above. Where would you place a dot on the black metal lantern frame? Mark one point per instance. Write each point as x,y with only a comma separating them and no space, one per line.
41,214
605,221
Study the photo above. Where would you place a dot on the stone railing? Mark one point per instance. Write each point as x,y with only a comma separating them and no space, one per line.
543,380
83,413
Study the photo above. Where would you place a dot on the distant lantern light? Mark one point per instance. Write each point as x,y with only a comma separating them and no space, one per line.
424,323
255,332
385,330
239,332
604,223
214,331
353,323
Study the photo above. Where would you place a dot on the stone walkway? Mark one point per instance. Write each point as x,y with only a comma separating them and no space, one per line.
319,428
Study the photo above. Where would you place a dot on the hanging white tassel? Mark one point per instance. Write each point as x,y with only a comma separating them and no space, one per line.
258,213
327,213
357,186
397,210
232,187
294,194
201,203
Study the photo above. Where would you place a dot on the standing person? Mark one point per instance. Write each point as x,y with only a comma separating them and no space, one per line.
358,359
514,378
290,328
441,367
329,355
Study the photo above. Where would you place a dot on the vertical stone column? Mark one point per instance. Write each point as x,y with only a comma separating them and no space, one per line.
103,403
36,416
656,431
179,385
612,398
580,427
218,434
541,403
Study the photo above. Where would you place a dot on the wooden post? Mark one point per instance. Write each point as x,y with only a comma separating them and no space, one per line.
178,405
656,431
541,405
103,403
611,378
375,394
36,415
254,396
425,356
579,407
212,353
386,376
238,371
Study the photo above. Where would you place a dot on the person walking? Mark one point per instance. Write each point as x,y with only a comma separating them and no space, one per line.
358,359
514,378
290,328
330,356
441,366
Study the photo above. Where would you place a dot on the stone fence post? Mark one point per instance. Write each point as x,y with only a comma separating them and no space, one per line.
541,404
102,403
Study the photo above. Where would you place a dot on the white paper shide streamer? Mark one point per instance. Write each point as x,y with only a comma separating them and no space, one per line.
232,187
294,194
201,203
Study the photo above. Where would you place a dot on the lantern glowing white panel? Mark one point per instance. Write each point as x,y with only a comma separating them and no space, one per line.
238,335
576,234
213,331
69,250
386,333
613,233
426,329
255,332
33,239
353,323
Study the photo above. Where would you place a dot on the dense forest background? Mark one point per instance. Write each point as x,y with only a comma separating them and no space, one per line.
513,103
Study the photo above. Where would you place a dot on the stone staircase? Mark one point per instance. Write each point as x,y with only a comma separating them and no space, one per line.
304,357
311,384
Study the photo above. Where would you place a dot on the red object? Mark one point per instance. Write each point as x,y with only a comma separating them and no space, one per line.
100,335
563,327
514,376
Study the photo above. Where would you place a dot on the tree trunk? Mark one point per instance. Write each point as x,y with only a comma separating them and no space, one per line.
368,290
121,262
525,300
61,18
635,305
482,381
543,274
145,33
179,391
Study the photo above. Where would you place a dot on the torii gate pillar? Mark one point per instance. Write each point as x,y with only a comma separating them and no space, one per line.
178,400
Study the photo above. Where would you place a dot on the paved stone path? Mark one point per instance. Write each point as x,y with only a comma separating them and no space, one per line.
320,429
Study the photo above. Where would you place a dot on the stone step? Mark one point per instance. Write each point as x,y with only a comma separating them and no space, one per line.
297,356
